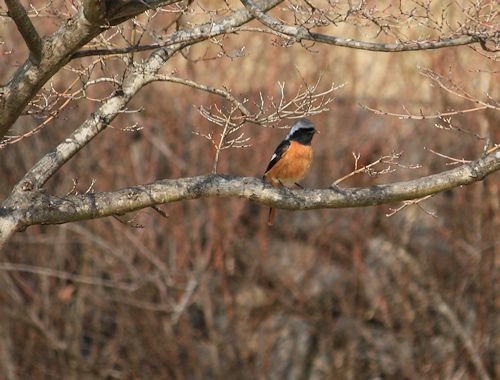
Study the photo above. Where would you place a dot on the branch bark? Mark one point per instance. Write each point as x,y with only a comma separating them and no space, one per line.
37,207
56,50
26,28
301,33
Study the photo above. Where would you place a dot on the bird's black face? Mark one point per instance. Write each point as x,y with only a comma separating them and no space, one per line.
303,135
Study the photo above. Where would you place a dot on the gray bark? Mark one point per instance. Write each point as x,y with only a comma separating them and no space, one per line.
34,206
54,51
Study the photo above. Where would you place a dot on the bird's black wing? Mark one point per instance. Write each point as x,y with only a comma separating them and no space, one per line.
278,153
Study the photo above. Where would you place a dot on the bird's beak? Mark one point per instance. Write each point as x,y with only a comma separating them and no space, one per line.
316,131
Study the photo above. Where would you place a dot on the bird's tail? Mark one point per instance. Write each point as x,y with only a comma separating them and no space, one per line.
272,214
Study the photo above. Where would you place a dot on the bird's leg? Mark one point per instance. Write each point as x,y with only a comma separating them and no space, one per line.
299,185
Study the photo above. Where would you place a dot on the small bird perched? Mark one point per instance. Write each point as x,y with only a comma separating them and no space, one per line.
291,159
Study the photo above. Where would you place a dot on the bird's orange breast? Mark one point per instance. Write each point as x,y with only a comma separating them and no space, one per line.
293,165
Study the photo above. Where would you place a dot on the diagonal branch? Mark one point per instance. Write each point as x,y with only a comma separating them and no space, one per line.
96,123
301,33
92,19
26,28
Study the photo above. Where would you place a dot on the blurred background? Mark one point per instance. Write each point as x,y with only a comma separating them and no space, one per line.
211,291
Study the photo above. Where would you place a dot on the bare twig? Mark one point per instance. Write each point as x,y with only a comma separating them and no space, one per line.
217,91
422,115
53,114
391,160
405,204
447,84
454,160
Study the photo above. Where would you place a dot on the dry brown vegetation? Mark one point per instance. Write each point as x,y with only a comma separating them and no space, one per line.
209,291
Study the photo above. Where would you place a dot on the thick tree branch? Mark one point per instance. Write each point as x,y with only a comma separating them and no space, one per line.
315,37
301,33
112,51
192,35
26,28
36,207
400,47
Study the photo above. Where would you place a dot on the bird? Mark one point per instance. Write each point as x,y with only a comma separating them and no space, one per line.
291,159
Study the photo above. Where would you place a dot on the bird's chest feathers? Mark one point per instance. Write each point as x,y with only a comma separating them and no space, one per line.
294,163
